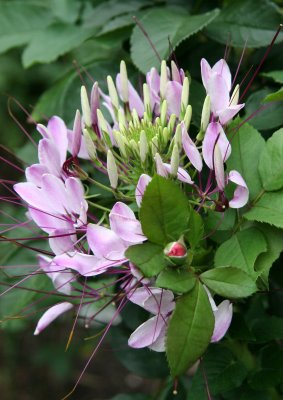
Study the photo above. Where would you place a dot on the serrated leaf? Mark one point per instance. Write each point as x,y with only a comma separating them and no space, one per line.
247,146
218,225
161,24
164,211
20,21
277,76
241,250
178,280
196,229
248,24
148,257
189,331
229,282
276,96
54,41
271,162
269,209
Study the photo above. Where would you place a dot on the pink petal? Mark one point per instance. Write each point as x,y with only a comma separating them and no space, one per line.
206,72
32,195
228,113
124,223
223,318
221,68
161,168
51,314
64,242
182,175
48,222
60,277
105,243
34,173
215,133
241,194
160,303
191,149
54,192
141,186
160,343
76,135
58,133
75,194
219,168
49,156
84,264
218,92
147,333
173,96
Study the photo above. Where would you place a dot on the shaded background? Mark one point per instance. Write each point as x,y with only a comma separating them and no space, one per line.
48,49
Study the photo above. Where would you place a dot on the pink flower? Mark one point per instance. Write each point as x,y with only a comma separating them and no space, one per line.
51,314
217,82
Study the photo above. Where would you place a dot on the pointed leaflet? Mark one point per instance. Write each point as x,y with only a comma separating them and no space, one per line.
164,212
269,209
229,282
190,330
247,145
148,257
271,162
241,250
176,279
196,229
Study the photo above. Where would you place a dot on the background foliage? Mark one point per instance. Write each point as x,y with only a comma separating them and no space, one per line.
48,49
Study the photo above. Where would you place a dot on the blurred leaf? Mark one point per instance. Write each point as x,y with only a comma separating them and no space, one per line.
241,250
21,21
66,10
189,331
196,229
247,145
148,257
271,162
277,76
229,282
277,96
267,116
142,362
164,211
54,41
162,25
178,280
269,209
132,396
248,24
218,225
268,328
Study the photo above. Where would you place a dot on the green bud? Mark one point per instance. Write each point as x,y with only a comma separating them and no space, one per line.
143,146
184,96
175,160
85,107
146,100
205,115
188,116
124,82
90,146
163,79
112,92
112,170
235,96
163,113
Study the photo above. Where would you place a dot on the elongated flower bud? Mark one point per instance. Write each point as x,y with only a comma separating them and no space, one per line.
85,107
175,160
146,100
121,142
175,72
171,123
163,79
185,96
178,136
143,146
218,167
154,145
101,121
188,116
122,119
112,92
205,114
112,170
124,82
77,135
163,113
90,146
235,96
94,102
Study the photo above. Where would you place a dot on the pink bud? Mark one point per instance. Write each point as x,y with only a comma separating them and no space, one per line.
176,251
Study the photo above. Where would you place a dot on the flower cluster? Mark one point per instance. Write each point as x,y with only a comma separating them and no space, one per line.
131,139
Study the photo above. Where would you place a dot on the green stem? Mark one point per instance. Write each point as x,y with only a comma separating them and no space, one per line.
99,206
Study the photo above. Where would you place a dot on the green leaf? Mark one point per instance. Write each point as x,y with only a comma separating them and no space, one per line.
269,209
66,10
161,24
54,41
249,24
196,229
219,226
241,250
276,96
229,282
274,238
247,145
277,76
178,280
190,330
20,21
271,162
148,257
266,116
268,328
164,211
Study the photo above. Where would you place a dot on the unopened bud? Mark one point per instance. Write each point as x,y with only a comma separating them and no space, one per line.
124,82
112,170
146,99
178,136
171,123
143,146
135,118
163,113
154,145
163,79
134,146
122,119
205,114
185,95
175,72
121,142
235,96
176,251
101,121
188,116
90,146
112,92
94,102
85,107
175,160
